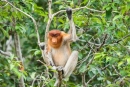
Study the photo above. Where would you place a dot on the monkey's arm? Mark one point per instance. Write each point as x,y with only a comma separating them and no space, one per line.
46,53
72,31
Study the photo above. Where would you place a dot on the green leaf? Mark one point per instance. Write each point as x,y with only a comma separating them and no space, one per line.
12,66
117,17
33,75
128,60
109,13
82,69
37,52
5,33
100,78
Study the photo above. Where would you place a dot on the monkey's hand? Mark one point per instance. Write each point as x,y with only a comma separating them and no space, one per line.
42,45
69,13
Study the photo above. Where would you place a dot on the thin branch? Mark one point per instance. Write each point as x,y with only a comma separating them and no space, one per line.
91,79
85,7
49,20
5,53
91,47
83,80
103,42
123,38
86,58
116,70
76,9
61,11
97,45
35,24
88,3
105,67
47,70
34,80
89,62
4,5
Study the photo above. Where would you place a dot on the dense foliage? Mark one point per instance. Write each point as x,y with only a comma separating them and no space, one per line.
103,28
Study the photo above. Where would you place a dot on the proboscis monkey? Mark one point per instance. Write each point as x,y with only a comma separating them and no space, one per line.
59,51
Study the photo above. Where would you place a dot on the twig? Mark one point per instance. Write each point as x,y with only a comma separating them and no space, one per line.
4,5
5,53
88,3
91,79
91,47
49,20
45,66
76,9
85,7
104,40
61,11
116,70
83,80
90,62
105,67
94,44
86,58
123,38
34,80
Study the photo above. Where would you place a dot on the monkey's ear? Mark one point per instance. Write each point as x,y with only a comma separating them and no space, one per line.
69,13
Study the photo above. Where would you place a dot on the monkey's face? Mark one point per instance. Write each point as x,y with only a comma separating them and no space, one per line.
55,37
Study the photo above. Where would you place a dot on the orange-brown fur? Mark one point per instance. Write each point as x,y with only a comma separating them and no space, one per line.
59,45
55,38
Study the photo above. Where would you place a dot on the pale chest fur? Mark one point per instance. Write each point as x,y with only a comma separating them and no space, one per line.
60,55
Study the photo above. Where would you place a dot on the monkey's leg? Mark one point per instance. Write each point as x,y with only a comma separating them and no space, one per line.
71,64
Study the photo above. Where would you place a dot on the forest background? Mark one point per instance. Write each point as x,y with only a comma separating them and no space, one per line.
103,28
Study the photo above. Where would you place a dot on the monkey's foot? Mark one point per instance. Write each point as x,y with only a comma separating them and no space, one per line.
60,68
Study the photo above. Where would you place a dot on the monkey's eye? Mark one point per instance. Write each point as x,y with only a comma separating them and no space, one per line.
57,34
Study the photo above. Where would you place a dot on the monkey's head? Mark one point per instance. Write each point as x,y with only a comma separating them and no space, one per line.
55,37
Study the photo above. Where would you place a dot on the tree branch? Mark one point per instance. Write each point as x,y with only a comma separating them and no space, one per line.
85,7
83,80
76,9
116,70
49,19
19,55
89,62
103,42
5,53
123,38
